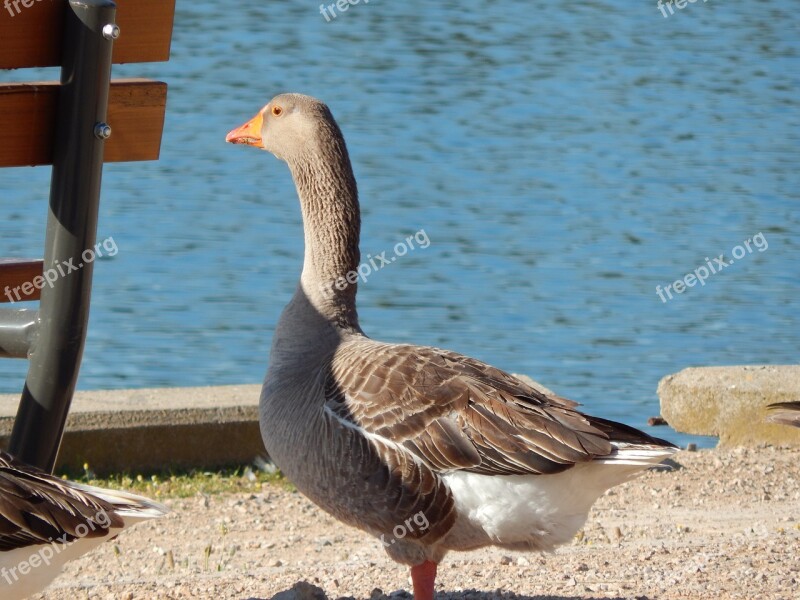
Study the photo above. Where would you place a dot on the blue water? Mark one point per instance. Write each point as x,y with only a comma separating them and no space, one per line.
564,159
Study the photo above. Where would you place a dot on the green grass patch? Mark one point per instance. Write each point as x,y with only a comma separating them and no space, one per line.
184,484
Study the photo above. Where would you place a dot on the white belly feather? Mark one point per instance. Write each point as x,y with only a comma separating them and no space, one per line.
537,512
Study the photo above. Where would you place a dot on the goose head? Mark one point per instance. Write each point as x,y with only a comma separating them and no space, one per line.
301,131
292,127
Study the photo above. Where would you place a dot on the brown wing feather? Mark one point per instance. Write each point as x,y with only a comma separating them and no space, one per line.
785,413
457,413
36,507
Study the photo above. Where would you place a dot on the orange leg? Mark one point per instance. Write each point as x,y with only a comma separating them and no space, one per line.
423,576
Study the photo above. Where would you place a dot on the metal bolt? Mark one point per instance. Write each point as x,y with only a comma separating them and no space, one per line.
111,31
102,131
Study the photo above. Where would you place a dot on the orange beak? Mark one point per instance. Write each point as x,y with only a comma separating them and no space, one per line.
249,133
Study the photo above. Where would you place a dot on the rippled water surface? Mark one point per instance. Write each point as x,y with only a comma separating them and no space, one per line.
564,159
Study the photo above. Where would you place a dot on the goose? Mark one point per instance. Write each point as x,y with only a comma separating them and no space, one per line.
46,522
785,413
426,449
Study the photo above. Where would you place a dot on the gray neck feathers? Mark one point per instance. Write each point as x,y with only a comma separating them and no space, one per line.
331,223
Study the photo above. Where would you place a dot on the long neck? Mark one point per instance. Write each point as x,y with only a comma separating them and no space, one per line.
331,223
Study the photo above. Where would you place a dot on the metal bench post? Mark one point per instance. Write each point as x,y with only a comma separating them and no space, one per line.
17,330
56,349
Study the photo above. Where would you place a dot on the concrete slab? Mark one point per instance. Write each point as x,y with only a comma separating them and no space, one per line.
730,402
151,429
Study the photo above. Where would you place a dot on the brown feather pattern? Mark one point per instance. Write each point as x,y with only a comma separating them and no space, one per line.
457,413
37,508
785,413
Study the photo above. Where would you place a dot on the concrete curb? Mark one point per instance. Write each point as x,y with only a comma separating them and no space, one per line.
210,427
154,429
730,402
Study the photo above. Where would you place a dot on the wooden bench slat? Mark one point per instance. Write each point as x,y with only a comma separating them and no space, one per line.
136,109
32,37
16,272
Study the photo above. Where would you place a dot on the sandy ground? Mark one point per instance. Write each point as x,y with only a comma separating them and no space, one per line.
726,525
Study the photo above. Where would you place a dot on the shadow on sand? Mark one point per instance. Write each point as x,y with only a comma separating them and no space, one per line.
317,594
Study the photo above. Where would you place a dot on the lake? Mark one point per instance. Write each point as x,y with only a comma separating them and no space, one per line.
563,159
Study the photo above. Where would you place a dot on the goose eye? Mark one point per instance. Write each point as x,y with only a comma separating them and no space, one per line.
277,111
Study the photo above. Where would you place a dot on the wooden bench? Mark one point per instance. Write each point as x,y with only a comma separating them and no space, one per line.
74,125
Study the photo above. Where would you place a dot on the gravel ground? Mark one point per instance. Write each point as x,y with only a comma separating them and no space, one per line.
725,525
